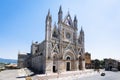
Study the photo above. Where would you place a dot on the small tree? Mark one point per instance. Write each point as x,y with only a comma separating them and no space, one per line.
102,64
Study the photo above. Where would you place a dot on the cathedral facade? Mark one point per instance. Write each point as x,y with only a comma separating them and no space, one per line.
62,50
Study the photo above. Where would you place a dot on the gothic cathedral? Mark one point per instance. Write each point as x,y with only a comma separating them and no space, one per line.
62,50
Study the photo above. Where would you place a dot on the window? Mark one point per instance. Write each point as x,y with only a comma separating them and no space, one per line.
36,51
68,58
68,35
55,34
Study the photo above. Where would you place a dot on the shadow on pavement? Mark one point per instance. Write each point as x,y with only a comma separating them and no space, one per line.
21,77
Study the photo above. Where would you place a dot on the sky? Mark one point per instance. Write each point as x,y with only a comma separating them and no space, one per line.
23,21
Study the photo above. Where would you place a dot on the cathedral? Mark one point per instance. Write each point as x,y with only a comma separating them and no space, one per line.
62,50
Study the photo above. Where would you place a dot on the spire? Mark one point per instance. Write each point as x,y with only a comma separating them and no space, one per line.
81,36
55,31
55,27
75,18
60,10
68,13
48,15
48,25
75,22
60,15
49,12
81,31
48,18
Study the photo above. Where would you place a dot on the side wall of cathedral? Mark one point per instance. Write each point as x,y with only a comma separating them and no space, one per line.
38,57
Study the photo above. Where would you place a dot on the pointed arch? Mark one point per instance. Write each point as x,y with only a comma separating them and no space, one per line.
69,53
54,55
55,32
55,62
68,20
69,58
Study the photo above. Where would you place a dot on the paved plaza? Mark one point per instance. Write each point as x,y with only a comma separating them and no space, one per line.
15,74
19,74
109,76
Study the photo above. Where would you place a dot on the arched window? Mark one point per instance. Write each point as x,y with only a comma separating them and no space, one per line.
54,34
68,58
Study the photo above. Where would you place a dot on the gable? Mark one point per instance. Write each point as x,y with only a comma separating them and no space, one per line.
68,20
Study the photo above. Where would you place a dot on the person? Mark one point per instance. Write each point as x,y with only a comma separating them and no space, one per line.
98,70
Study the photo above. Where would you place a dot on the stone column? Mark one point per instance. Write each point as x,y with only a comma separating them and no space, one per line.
83,64
77,65
49,66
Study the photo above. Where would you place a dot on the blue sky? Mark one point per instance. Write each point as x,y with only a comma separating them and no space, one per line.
23,21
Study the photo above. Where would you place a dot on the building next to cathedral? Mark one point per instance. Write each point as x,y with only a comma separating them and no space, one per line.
87,60
62,50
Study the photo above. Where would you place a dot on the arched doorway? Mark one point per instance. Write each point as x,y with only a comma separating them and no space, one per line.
68,64
69,59
54,69
80,63
55,63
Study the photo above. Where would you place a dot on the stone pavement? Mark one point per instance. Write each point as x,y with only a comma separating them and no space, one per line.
20,74
23,73
14,74
109,75
11,75
70,75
